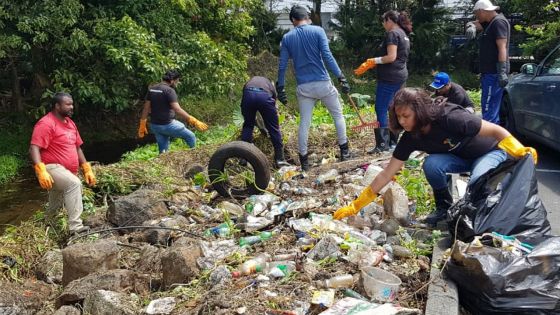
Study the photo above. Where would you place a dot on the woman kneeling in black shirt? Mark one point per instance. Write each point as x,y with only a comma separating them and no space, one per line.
456,141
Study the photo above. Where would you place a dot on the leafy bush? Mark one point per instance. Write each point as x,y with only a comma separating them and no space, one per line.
9,166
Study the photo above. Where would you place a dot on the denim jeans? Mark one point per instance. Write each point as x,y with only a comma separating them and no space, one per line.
260,101
308,94
436,166
383,98
175,129
491,98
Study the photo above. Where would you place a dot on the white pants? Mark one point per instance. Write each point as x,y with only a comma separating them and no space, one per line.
308,94
67,193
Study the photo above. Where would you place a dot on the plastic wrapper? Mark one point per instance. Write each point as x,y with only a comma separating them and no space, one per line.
504,200
498,281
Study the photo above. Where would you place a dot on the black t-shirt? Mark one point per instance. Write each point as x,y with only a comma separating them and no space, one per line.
262,83
161,96
488,52
458,95
395,72
455,131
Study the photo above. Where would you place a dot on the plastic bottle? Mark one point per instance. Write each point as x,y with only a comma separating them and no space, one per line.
329,176
250,240
250,266
354,294
281,257
342,281
277,269
221,230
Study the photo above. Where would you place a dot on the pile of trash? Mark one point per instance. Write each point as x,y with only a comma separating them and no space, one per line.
275,253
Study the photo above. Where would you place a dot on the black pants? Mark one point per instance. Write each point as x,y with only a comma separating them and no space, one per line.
254,101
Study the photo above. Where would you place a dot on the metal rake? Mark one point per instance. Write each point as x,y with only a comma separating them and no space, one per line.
363,126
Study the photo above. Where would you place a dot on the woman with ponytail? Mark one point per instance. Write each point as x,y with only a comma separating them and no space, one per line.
456,141
391,72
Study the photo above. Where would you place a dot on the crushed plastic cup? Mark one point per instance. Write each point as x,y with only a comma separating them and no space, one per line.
380,285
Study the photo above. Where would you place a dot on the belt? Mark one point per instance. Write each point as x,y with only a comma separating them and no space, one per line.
255,89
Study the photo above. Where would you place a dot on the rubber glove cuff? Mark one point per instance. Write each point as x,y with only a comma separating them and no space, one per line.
142,128
514,148
366,197
45,179
89,177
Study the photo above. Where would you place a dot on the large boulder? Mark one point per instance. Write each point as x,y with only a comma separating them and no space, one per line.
119,280
49,268
102,302
164,236
67,310
179,264
24,298
136,208
395,204
82,259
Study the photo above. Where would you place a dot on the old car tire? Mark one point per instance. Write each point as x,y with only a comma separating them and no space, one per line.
239,150
506,115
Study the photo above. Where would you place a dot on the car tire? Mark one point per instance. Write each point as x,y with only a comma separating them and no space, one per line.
506,115
242,151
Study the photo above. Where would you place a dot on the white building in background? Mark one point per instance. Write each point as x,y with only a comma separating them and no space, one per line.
282,7
330,7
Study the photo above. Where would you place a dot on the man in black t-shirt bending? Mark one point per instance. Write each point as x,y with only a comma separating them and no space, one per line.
162,105
454,93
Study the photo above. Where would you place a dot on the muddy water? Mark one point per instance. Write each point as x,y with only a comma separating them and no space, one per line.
22,197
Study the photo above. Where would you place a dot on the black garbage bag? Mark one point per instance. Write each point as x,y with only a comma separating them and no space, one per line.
504,200
495,281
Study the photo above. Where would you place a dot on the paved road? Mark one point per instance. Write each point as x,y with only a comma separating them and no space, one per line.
548,175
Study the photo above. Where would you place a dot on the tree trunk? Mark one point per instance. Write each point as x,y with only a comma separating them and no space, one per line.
316,13
17,101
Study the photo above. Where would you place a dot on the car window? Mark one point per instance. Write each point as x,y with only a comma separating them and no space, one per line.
552,64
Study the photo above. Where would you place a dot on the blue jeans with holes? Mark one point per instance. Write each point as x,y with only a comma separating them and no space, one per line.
491,98
383,97
438,165
175,129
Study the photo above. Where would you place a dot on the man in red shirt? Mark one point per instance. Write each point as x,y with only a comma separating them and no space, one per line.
55,152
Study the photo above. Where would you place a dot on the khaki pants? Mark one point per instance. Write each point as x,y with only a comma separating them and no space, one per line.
67,193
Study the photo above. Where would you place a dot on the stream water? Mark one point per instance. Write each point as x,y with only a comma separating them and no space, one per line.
22,197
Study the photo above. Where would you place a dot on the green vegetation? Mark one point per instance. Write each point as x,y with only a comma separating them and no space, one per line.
412,179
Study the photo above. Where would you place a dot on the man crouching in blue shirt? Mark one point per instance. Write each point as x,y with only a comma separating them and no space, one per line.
309,50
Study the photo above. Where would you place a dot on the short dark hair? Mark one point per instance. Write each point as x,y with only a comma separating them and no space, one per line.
58,97
424,107
298,13
171,75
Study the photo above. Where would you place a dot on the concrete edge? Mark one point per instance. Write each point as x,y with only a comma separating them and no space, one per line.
443,296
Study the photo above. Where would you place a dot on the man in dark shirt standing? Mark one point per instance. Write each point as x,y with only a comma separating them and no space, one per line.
494,56
162,105
259,95
454,93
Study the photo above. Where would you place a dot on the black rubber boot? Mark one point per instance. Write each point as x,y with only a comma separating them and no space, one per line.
444,200
345,153
279,159
394,138
303,160
382,139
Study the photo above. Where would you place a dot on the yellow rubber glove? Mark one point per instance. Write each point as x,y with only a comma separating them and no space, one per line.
88,174
142,129
366,196
514,148
45,179
197,123
368,64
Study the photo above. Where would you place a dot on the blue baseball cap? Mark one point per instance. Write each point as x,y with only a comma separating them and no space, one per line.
440,80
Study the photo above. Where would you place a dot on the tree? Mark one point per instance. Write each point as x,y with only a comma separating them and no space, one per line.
105,52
